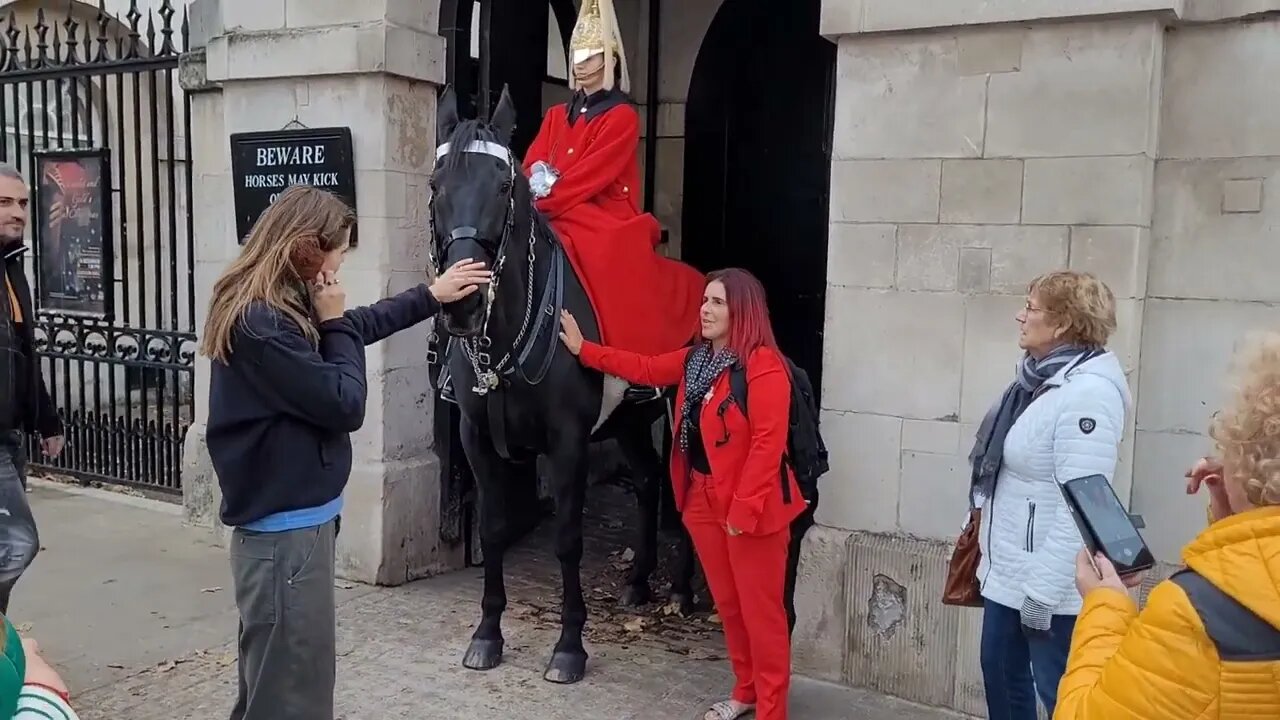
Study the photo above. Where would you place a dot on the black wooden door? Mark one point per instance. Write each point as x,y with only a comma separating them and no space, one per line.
758,161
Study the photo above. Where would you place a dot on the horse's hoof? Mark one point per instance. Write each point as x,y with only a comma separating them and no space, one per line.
684,604
635,596
566,668
483,654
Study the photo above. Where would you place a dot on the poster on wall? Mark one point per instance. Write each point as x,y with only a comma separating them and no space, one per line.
72,232
264,164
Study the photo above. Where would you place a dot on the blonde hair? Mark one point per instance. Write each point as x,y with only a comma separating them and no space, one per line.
303,223
1247,431
1081,303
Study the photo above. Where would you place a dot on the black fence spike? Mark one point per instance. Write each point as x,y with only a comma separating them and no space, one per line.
72,56
166,13
42,39
12,35
104,34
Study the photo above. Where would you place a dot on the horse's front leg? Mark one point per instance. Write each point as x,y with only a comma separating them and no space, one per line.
568,461
492,480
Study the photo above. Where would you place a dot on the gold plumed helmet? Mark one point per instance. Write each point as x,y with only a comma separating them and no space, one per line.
597,33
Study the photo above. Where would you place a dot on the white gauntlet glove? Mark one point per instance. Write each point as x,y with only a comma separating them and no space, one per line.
542,178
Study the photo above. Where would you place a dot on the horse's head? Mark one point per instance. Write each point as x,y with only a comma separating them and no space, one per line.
474,199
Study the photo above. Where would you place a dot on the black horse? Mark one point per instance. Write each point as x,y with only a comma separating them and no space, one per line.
521,393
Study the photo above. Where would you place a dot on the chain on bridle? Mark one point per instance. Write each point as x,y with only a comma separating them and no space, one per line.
477,349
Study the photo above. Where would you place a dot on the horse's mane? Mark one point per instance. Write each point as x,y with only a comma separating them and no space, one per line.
465,133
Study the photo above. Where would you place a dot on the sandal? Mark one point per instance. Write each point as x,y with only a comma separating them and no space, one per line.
728,710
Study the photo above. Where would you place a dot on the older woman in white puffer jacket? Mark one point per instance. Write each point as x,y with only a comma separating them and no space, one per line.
1061,418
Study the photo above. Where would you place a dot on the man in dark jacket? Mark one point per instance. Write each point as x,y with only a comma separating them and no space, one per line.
25,405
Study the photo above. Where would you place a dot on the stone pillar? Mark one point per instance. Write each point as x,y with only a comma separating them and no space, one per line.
980,144
374,66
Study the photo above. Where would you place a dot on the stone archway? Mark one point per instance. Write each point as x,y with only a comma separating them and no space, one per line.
757,160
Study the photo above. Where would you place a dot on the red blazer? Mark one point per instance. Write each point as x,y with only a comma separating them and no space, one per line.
745,467
596,160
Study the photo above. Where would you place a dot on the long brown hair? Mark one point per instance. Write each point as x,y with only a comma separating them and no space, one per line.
283,252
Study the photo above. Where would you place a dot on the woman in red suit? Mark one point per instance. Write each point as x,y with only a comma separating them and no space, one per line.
726,476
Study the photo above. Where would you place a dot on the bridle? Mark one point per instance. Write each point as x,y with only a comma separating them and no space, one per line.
477,349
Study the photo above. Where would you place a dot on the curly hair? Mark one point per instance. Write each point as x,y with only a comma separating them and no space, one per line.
1080,302
1247,431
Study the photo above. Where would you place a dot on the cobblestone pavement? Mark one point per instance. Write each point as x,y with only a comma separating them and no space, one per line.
399,654
151,639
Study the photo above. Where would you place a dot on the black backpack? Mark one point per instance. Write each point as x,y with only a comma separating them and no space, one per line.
806,452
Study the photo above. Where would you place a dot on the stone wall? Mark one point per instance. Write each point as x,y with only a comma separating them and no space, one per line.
978,145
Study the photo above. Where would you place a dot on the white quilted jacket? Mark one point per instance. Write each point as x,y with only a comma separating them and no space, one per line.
1029,541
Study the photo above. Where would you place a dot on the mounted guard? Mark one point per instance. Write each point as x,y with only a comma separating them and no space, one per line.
561,231
584,174
583,169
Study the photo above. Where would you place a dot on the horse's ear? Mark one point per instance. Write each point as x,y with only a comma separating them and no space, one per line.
504,117
446,114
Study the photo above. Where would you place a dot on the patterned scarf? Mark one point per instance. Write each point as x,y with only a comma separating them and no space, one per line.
988,451
700,373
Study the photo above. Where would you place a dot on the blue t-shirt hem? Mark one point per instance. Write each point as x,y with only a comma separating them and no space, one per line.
299,519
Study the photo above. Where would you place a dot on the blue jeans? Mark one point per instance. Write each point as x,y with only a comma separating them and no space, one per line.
1015,668
19,539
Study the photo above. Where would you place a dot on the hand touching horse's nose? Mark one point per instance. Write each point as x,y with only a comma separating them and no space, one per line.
460,280
570,333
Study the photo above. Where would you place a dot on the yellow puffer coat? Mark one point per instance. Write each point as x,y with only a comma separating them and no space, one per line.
1161,664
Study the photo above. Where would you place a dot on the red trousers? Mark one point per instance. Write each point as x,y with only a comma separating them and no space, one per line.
746,575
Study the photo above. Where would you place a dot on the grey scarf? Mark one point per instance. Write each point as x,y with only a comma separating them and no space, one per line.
988,451
700,373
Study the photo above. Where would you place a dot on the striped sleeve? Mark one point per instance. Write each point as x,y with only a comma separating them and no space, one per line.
38,703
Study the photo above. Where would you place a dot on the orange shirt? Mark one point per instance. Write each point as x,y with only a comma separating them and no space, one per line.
14,305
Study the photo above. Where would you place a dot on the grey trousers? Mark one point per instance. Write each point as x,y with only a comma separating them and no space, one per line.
284,592
19,538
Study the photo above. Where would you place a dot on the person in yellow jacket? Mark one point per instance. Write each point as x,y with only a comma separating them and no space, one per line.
1207,644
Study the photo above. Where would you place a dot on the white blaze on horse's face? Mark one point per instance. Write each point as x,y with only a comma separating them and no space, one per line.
715,312
470,211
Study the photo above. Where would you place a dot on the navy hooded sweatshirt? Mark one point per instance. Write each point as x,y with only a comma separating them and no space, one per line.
280,412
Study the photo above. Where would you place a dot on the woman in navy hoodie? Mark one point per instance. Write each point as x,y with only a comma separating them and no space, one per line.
287,386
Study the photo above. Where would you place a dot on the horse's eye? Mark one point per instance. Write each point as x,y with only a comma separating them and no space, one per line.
506,187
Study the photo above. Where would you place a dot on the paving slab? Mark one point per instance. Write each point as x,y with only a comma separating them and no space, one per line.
137,612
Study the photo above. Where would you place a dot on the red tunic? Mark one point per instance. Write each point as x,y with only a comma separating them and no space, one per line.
643,301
